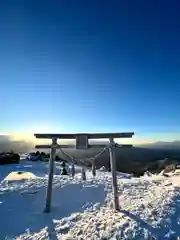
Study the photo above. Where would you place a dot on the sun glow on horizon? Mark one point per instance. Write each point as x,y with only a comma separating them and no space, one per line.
139,138
28,133
29,137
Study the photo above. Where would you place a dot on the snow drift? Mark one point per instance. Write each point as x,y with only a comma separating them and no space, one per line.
150,206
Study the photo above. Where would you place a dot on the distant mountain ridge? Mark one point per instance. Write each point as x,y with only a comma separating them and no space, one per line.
132,160
162,144
6,144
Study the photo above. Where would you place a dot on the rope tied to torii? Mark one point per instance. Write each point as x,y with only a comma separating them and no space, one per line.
73,159
90,159
80,162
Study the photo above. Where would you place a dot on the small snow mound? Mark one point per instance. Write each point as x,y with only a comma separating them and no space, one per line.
167,174
147,174
124,175
177,172
161,173
103,169
20,176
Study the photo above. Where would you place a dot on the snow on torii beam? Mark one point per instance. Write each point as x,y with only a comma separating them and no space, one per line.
47,146
89,135
85,137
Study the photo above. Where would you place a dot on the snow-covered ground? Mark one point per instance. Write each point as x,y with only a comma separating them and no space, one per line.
150,205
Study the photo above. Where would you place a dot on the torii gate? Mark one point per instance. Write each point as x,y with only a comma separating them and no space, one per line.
82,143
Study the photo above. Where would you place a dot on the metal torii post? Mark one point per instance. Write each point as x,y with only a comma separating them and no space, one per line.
114,175
73,168
53,147
93,168
50,176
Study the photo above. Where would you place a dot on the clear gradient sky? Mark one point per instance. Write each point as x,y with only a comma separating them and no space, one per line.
99,65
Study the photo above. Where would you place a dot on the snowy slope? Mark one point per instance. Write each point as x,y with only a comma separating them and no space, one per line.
150,206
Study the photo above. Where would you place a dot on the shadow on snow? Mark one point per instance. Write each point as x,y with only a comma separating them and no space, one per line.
24,212
169,228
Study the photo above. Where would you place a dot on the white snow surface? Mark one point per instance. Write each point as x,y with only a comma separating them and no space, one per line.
83,210
19,176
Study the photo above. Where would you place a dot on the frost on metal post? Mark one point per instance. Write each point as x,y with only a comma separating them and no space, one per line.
72,168
93,168
83,174
50,176
114,176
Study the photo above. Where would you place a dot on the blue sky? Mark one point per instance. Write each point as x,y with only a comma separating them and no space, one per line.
79,66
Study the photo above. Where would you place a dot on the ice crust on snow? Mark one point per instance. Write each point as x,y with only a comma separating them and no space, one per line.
150,206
